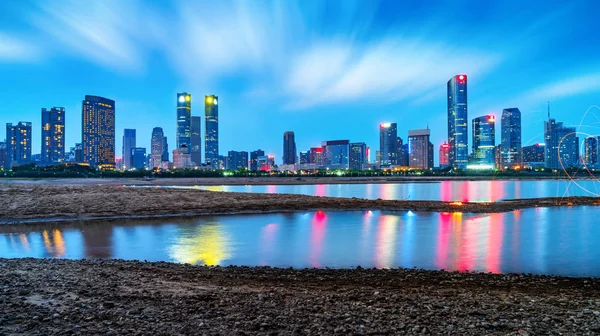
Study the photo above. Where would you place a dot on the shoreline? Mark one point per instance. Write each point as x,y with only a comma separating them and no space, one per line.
50,296
236,181
31,204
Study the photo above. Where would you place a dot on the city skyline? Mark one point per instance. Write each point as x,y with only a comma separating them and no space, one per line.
331,79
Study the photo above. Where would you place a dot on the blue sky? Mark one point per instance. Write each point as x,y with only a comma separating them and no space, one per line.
324,69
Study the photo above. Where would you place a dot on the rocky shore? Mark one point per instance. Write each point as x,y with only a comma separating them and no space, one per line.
20,203
90,297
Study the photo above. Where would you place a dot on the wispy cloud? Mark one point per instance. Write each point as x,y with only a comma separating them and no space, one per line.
16,50
390,69
566,87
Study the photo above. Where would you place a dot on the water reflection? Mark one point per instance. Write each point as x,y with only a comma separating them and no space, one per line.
539,240
448,191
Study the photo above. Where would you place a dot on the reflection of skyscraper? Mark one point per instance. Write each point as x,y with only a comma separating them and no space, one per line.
511,137
196,149
184,120
98,134
484,140
388,144
358,155
289,148
458,137
128,146
418,149
157,147
53,135
18,144
210,245
211,129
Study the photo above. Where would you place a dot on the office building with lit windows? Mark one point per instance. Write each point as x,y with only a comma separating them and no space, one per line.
184,120
444,152
590,147
53,135
420,153
534,155
211,128
18,144
2,155
336,154
98,132
316,156
129,140
254,166
562,145
388,144
484,142
139,159
196,142
237,160
458,137
157,148
510,130
358,155
305,157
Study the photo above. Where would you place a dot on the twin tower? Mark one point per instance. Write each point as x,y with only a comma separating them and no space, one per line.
189,130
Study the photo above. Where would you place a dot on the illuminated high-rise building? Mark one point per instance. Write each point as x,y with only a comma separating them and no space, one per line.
358,155
254,165
388,144
458,137
511,137
444,152
211,129
484,141
336,154
289,148
590,155
184,120
165,156
2,155
316,156
53,135
196,142
129,140
419,152
18,144
534,154
98,132
157,148
237,160
562,145
304,157
138,158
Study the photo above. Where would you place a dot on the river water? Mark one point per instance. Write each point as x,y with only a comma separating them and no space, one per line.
562,241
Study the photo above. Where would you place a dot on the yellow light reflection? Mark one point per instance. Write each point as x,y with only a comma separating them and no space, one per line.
209,246
59,243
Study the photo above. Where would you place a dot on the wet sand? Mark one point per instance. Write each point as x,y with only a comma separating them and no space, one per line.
43,202
92,297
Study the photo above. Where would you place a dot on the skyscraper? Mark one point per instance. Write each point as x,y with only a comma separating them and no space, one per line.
444,152
184,120
182,159
211,129
18,144
590,151
196,142
419,153
237,160
402,153
316,156
562,145
289,148
533,154
129,139
458,137
2,155
165,156
484,140
53,135
358,155
254,166
157,148
335,153
138,158
388,144
511,137
98,132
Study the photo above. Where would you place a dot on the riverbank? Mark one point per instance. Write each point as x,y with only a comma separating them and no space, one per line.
36,203
44,297
212,181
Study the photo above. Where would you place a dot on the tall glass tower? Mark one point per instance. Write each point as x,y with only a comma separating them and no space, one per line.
511,137
484,140
53,134
289,148
388,144
211,129
196,142
98,132
184,120
129,138
458,137
157,147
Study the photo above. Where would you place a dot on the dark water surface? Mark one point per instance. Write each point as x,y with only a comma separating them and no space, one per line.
465,191
563,241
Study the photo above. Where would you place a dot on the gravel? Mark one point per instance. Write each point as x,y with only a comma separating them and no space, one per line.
113,297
